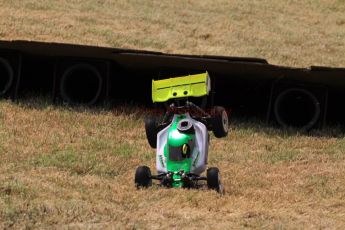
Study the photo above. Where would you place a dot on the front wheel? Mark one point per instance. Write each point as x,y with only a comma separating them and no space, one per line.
220,122
213,180
143,177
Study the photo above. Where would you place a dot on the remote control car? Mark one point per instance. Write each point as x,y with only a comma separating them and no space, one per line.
181,136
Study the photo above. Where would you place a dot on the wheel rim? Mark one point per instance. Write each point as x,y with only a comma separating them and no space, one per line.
225,121
220,186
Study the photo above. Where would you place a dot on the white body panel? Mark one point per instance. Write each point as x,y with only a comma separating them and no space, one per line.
200,152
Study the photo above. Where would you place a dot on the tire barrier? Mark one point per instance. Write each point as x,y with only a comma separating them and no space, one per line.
6,76
297,107
250,87
81,84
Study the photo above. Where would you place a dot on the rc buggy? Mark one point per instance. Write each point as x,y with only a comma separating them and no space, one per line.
181,135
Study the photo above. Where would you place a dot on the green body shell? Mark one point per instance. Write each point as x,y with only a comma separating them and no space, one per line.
178,152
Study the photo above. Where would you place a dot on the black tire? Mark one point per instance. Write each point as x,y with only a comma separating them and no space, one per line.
220,122
7,77
213,180
151,128
143,177
305,104
78,88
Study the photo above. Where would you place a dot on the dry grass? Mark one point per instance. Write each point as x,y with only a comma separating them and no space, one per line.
296,33
74,168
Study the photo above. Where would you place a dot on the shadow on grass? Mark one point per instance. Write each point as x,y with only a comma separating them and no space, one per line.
259,126
138,112
45,102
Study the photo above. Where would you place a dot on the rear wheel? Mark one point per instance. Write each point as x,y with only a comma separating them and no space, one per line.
151,129
143,177
213,180
220,122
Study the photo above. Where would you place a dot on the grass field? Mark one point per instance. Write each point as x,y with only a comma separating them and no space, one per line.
73,168
296,33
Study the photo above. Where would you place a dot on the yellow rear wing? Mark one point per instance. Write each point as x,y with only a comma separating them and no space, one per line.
196,85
